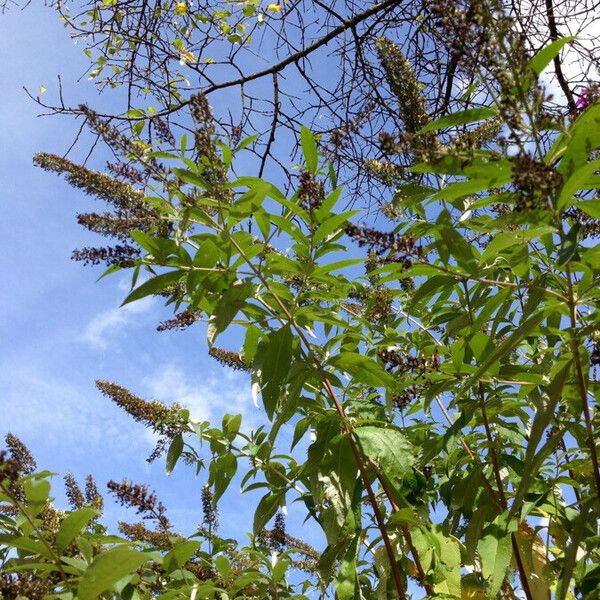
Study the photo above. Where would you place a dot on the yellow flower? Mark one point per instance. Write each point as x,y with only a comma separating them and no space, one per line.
180,8
274,7
186,56
143,147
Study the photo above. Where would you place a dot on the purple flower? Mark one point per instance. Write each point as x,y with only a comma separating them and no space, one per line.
588,96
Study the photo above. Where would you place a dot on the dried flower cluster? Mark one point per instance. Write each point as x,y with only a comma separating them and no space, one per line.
408,395
181,320
379,304
210,516
18,586
588,226
138,532
404,85
111,135
73,492
104,187
119,224
485,42
387,173
93,497
123,255
277,537
399,247
477,137
535,181
21,453
10,469
127,172
340,135
162,130
137,496
215,172
405,363
227,358
311,192
161,418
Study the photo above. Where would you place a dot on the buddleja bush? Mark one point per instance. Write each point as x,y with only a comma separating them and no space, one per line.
442,373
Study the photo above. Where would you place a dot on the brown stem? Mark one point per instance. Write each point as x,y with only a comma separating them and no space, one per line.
405,531
56,559
581,383
563,447
275,68
557,64
370,493
501,494
340,410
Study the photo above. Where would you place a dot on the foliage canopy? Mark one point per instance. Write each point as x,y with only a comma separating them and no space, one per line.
441,371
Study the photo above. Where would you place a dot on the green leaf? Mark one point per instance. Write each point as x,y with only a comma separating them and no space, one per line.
24,543
231,425
327,206
73,524
495,553
154,285
574,147
569,246
577,181
333,223
36,490
388,447
179,555
192,178
470,115
271,366
591,207
346,581
577,530
228,306
246,141
265,511
544,415
524,330
547,54
309,148
223,566
174,452
107,568
222,471
363,369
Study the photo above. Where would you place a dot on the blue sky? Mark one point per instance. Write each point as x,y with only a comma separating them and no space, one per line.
60,330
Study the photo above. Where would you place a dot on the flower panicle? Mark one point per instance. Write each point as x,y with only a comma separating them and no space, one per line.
73,492
162,130
93,496
119,225
228,358
404,85
104,187
123,255
182,320
21,453
161,418
138,496
210,514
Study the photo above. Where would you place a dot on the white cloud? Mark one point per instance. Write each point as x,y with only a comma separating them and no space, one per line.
105,326
208,397
62,416
584,24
